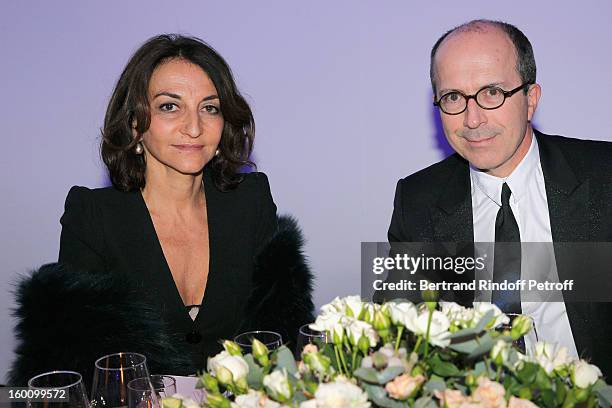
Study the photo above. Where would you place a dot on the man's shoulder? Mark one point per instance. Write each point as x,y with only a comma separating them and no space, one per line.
582,154
435,177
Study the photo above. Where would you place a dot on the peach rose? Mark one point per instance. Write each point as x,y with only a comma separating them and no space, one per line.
490,393
450,398
520,403
404,386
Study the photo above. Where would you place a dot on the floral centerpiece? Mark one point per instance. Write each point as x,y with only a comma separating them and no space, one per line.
398,355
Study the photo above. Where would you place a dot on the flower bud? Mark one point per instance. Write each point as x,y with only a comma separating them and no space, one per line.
260,352
317,362
379,360
224,375
363,344
232,348
209,382
337,334
521,325
381,321
217,401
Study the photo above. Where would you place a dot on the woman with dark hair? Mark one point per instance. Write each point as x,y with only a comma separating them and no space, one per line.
180,220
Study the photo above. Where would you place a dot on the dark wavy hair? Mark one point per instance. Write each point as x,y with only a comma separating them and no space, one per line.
129,106
525,60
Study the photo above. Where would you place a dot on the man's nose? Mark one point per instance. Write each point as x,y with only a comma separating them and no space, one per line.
474,115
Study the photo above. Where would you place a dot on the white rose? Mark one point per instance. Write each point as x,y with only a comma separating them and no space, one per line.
404,314
585,374
551,356
189,403
254,399
438,329
482,308
356,328
235,364
500,351
457,315
326,321
277,384
339,394
354,305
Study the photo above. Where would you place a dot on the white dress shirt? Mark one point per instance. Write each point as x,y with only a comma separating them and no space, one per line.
530,208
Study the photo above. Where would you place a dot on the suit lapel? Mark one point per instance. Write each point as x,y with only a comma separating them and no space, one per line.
568,201
452,214
567,196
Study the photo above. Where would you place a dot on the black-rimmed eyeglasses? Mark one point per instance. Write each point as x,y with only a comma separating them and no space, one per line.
489,97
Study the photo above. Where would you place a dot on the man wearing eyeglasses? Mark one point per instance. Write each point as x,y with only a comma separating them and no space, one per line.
507,182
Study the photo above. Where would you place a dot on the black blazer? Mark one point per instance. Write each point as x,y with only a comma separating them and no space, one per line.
434,205
106,230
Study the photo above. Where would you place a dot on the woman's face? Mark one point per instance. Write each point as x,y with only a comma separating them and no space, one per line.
186,121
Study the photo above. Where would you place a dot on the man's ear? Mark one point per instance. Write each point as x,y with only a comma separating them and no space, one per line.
533,97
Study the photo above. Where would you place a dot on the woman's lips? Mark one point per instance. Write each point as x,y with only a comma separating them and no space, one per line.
188,147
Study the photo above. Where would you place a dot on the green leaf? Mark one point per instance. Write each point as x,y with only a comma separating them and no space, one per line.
378,396
542,380
444,368
527,373
284,359
256,374
548,398
560,391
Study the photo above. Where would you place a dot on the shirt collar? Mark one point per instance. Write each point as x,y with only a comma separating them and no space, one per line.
518,180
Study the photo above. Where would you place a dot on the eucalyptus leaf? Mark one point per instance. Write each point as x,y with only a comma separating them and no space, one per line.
484,320
604,394
366,374
425,402
485,345
469,332
256,374
378,396
389,373
434,384
284,359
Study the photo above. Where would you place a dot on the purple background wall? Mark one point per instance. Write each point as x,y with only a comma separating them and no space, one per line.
340,92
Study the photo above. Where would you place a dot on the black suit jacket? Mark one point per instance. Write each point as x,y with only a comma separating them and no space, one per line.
109,231
434,205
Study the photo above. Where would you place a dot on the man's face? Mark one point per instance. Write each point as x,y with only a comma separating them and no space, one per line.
496,140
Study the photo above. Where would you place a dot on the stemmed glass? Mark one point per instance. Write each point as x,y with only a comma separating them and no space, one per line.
270,339
112,375
306,335
65,384
147,392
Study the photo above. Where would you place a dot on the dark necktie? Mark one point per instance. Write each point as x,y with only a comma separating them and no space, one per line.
507,257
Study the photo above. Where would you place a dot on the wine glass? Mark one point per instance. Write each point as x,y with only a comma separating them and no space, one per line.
270,339
306,335
147,392
112,375
67,385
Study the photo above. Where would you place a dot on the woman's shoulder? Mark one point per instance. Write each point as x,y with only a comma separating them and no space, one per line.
86,199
